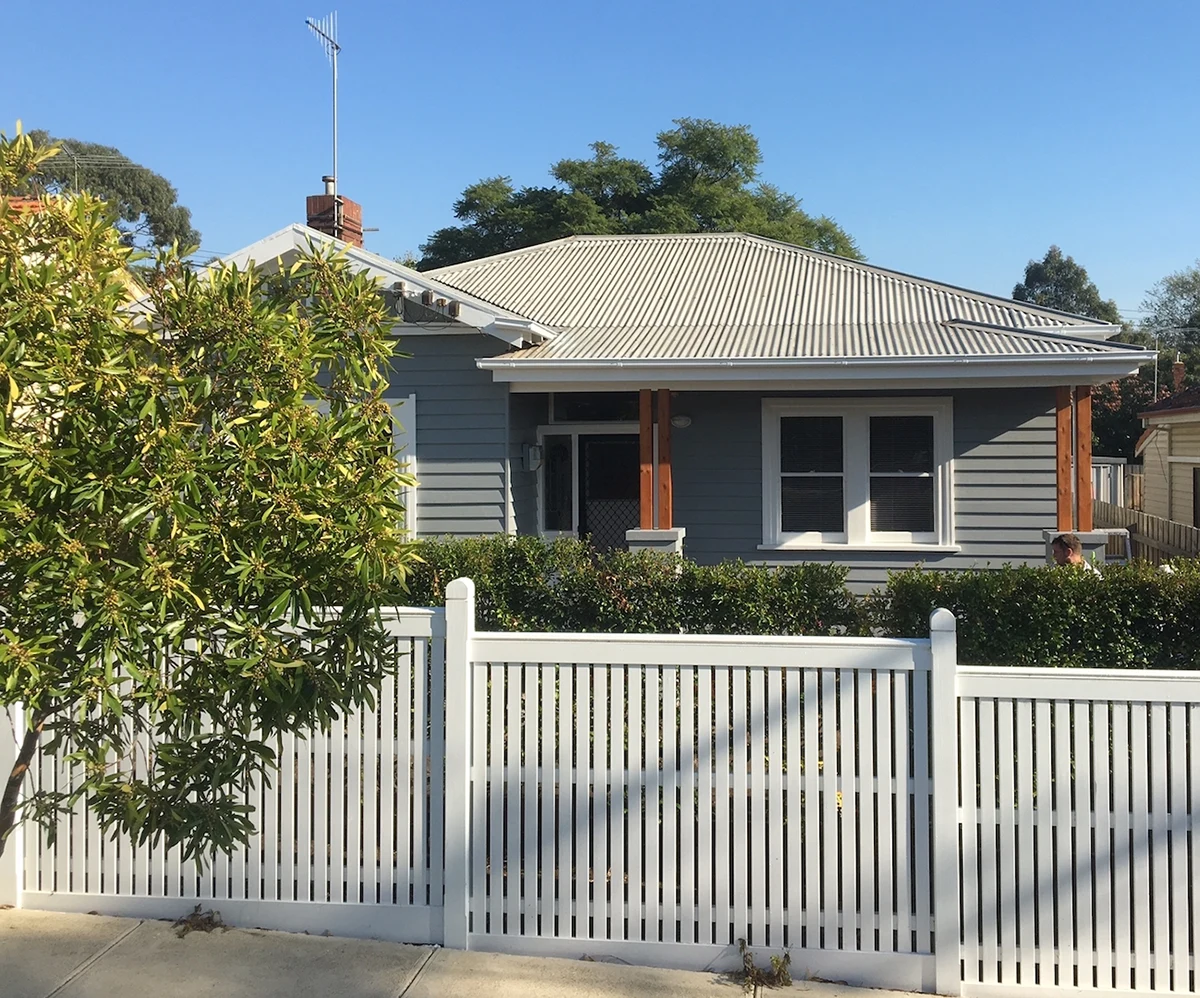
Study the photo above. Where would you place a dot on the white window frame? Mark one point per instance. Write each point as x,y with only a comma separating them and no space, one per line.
856,474
575,431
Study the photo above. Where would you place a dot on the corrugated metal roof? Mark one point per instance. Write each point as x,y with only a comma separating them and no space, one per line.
731,296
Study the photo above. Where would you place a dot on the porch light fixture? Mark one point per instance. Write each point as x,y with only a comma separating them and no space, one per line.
681,422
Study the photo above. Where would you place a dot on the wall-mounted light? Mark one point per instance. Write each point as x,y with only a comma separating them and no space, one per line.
532,454
681,422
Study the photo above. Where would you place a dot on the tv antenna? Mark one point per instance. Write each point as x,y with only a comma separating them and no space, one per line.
325,31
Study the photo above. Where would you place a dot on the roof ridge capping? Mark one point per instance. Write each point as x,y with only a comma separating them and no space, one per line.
1094,335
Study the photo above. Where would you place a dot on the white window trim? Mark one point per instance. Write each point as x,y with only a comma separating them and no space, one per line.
856,415
575,431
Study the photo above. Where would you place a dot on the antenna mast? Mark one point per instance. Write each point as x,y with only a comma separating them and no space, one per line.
325,31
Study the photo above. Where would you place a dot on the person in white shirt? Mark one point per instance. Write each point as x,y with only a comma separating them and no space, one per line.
1067,549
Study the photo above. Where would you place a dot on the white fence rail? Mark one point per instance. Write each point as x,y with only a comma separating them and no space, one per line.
882,814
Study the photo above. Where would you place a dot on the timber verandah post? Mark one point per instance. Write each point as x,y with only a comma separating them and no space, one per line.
1062,457
460,631
944,736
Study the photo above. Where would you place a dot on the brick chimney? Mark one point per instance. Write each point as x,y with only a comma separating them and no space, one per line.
1177,373
335,215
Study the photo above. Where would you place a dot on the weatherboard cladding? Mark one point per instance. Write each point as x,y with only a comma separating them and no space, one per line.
1004,475
729,295
461,446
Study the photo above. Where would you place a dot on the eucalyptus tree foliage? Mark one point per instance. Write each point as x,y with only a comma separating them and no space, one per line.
175,512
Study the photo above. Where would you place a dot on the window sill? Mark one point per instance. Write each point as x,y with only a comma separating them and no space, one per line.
894,546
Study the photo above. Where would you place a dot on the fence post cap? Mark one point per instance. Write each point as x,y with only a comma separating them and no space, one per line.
460,589
942,620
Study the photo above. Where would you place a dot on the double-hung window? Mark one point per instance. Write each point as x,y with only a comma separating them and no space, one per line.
846,473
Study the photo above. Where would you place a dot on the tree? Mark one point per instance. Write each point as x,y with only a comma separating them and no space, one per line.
173,510
147,207
707,181
1058,282
1115,410
1172,309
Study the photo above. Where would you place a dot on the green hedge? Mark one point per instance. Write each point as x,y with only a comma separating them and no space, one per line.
1132,617
526,584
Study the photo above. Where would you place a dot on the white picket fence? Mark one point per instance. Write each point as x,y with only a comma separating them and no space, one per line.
883,814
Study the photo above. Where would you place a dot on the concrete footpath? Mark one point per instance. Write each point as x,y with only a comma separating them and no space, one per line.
43,954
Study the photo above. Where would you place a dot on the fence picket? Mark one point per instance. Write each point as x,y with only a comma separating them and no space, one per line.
886,790
739,884
847,779
528,775
1159,820
566,783
1026,897
1178,835
922,818
904,813
1103,894
865,804
637,808
583,789
990,919
498,675
833,922
420,771
511,782
1122,851
970,781
756,830
724,929
1006,813
547,788
652,849
1084,819
812,812
707,860
670,806
433,836
618,789
791,846
1139,746
405,680
687,805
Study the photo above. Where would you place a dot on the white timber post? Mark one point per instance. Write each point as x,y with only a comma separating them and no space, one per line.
943,680
460,628
12,731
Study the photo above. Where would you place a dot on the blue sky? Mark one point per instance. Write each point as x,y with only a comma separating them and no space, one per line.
953,140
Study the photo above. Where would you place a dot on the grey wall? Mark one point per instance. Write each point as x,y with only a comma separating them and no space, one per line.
462,425
1004,482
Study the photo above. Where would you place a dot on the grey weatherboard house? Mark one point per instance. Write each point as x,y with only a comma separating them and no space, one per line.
739,397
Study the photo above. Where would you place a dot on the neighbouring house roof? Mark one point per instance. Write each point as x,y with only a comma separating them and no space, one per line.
458,307
1182,402
743,301
1144,440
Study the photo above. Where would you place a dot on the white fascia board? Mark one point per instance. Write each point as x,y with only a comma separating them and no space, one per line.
959,371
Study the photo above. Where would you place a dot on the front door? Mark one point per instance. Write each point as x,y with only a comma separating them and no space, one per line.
609,488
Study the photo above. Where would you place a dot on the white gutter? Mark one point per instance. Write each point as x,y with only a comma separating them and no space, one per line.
1098,368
